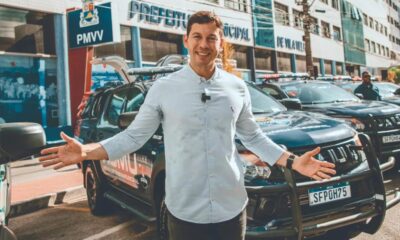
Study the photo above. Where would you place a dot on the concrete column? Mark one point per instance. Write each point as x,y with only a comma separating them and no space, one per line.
251,63
293,62
136,46
333,67
322,66
63,86
274,61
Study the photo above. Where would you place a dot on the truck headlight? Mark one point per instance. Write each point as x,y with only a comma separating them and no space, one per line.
353,122
253,167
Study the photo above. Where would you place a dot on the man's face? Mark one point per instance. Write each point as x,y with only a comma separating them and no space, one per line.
366,78
204,44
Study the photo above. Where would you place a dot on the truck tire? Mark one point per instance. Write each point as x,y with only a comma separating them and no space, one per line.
98,204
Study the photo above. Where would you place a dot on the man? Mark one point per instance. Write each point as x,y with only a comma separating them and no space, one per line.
366,89
205,193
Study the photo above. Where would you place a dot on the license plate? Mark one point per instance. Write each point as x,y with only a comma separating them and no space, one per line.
391,138
329,193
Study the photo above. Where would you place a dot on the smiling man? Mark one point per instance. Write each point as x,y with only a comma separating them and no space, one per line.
204,187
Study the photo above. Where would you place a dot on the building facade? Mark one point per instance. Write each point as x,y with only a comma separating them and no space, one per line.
348,36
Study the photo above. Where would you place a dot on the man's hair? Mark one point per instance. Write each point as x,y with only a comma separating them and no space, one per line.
365,73
204,17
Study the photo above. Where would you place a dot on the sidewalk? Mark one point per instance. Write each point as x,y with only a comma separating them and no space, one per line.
47,191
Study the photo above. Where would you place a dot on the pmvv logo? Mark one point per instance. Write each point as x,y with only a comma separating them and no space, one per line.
89,15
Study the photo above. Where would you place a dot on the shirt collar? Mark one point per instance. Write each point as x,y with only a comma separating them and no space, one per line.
200,79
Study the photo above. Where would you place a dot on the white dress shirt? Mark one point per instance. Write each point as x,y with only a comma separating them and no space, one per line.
204,173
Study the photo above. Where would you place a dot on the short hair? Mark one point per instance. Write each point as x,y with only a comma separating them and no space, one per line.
365,73
204,17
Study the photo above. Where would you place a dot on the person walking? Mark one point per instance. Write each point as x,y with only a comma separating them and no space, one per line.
201,109
367,89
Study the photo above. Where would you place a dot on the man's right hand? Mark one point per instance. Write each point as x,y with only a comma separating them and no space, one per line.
58,157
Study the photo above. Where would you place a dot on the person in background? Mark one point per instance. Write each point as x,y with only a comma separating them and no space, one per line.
367,89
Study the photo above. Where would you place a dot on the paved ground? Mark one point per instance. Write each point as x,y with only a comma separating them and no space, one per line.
73,221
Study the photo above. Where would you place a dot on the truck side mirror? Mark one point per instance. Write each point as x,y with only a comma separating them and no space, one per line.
291,103
126,118
18,140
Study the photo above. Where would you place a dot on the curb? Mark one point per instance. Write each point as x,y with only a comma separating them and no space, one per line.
45,201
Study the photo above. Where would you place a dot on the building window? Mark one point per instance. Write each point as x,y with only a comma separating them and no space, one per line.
367,46
328,66
263,59
387,52
383,50
325,29
373,47
365,19
378,46
324,1
336,34
298,20
301,65
123,49
335,4
376,26
240,5
386,33
314,27
284,62
25,31
281,14
240,55
371,22
155,45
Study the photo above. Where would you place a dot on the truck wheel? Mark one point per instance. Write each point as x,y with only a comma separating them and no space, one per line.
162,223
98,204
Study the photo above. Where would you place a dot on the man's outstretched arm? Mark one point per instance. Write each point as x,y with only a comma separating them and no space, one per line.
72,152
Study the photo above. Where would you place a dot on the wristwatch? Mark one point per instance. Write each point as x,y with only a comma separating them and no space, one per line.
289,161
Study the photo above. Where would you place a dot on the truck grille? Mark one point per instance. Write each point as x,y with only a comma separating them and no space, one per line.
387,122
342,154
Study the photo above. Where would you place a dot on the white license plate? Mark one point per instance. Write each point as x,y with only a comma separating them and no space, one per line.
329,193
391,138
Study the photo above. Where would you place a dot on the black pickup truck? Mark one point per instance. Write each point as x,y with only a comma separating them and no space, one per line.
379,120
282,204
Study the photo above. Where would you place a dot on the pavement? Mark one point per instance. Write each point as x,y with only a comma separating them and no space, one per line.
55,187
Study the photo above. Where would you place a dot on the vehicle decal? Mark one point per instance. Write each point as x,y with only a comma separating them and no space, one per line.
133,169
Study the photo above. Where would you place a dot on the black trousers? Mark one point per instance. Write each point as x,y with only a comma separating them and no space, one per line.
233,229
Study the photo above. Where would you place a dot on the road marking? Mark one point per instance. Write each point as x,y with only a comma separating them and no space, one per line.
110,231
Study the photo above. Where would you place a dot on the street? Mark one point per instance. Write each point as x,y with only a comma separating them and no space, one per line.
74,221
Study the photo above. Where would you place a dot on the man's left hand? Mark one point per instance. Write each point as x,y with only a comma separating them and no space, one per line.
308,166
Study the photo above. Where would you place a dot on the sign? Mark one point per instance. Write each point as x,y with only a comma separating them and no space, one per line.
156,15
93,25
288,43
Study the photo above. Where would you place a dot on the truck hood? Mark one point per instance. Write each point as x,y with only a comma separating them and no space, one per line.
297,129
354,109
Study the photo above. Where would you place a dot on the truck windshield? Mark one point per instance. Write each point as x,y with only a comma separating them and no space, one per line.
312,93
262,103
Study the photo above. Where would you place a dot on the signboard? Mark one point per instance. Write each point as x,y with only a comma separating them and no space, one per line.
93,25
149,15
284,42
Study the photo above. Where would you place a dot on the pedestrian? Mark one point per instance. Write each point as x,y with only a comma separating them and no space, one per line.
367,89
201,109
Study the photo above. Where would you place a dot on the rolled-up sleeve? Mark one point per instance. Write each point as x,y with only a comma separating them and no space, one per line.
252,136
140,130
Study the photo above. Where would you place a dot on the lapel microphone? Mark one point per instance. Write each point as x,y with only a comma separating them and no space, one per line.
205,97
